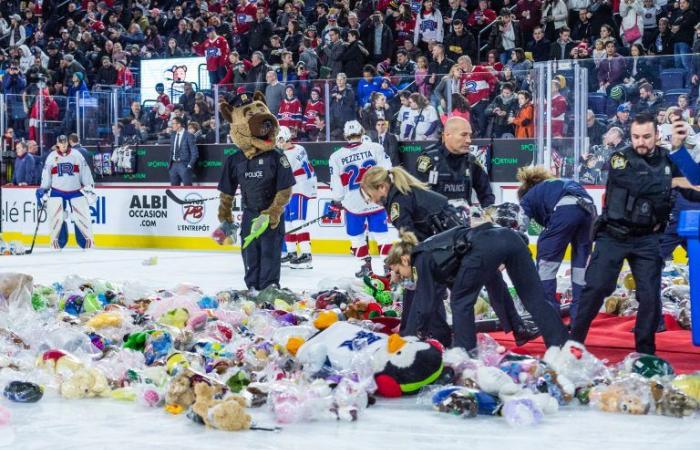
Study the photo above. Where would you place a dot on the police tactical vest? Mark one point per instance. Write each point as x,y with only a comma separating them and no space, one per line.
452,183
638,193
447,250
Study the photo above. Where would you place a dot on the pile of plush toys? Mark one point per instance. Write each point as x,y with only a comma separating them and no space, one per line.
304,356
12,247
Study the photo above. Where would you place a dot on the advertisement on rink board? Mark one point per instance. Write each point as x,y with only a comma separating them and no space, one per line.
500,157
144,217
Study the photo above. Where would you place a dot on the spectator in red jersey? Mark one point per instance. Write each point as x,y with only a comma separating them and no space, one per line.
289,114
313,116
215,49
245,16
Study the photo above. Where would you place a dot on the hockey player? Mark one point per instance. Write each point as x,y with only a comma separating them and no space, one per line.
347,167
295,211
67,176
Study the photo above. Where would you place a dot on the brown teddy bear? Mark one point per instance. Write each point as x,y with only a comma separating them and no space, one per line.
180,391
264,176
227,414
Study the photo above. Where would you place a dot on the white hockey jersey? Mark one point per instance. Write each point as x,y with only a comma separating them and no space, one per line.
347,166
67,172
303,171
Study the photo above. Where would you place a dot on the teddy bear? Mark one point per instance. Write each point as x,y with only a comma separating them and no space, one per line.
85,383
227,414
676,403
180,391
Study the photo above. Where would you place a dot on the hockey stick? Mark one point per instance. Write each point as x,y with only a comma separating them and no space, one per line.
171,195
306,224
36,230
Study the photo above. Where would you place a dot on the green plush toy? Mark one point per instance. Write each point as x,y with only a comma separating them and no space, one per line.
376,287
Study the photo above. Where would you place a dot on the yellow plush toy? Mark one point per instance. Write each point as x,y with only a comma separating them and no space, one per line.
228,414
85,383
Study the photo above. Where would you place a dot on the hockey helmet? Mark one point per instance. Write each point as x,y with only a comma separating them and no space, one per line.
352,128
284,135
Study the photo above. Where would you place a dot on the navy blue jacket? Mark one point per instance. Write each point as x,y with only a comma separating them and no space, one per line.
188,148
24,170
539,202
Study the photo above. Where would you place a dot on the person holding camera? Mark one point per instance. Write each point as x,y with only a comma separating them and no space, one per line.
637,209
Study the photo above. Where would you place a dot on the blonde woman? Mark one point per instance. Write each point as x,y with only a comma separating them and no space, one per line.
463,259
413,208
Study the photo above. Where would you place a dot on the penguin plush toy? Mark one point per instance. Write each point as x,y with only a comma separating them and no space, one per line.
402,365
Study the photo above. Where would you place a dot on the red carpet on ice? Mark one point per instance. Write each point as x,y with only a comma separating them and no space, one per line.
612,338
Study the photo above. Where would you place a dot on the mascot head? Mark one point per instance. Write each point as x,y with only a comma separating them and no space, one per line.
254,128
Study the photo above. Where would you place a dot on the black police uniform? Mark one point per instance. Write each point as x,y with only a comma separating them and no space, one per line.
425,213
637,209
455,177
259,178
463,259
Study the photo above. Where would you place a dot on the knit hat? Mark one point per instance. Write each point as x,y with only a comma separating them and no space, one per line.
80,75
616,93
625,107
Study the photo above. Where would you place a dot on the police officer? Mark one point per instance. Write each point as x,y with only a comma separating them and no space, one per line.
412,207
266,181
462,258
637,209
566,211
452,171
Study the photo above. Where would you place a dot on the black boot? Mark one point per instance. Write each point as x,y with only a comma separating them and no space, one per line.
527,331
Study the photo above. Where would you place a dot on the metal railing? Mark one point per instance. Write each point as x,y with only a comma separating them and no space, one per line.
481,48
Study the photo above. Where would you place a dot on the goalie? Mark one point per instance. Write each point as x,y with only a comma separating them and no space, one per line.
67,187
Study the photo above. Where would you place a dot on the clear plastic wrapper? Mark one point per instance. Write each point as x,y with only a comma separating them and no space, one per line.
630,394
490,352
521,412
293,402
576,363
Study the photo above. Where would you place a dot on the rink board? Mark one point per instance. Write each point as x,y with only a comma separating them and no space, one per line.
144,217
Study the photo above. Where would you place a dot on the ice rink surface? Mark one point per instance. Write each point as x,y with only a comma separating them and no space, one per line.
54,423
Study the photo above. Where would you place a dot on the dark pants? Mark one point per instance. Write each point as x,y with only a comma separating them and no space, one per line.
643,255
180,174
262,258
568,224
490,249
215,76
670,240
479,119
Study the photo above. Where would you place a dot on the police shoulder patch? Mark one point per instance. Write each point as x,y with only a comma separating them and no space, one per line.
423,163
618,161
395,211
284,161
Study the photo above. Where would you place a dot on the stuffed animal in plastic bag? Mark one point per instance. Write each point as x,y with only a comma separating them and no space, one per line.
401,365
85,383
675,403
180,392
574,364
630,394
227,414
14,284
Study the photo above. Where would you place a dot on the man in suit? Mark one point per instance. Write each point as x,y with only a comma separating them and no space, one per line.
74,142
389,141
183,154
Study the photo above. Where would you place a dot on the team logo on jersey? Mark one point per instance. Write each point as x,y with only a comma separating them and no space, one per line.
470,86
423,163
66,169
395,211
284,161
618,162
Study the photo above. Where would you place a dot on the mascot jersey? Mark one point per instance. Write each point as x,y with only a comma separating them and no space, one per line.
303,172
340,343
347,166
65,173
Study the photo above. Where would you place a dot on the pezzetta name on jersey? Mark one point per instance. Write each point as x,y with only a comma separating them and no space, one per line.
356,157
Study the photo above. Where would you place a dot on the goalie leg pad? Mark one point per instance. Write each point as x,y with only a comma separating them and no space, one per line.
56,217
80,215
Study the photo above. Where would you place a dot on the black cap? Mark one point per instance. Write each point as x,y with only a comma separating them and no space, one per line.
242,99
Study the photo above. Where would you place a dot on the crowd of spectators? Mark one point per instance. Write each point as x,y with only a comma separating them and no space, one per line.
407,63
